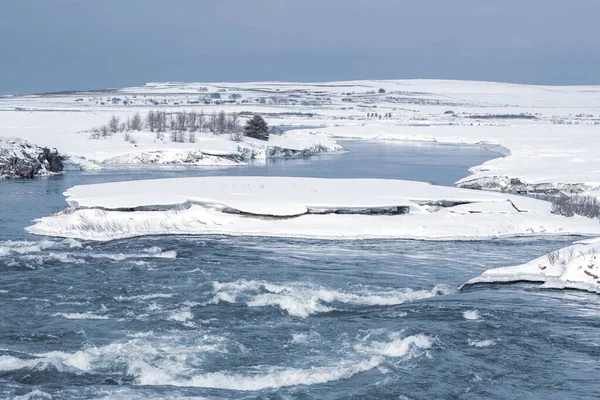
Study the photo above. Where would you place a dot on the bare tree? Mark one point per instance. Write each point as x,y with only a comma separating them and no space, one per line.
136,122
181,118
151,121
192,116
221,122
104,131
201,121
162,121
113,124
233,123
212,123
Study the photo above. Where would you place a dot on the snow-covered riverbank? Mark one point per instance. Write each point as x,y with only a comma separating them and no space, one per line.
301,207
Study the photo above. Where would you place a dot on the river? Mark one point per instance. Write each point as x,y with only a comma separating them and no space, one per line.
229,317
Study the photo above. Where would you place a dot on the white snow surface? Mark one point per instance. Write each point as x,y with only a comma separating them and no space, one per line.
572,267
300,207
556,145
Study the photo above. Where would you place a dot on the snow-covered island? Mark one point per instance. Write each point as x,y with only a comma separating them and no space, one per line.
301,207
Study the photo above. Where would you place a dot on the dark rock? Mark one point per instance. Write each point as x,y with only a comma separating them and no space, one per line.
21,159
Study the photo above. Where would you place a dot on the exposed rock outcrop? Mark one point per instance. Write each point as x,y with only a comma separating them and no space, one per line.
21,159
516,186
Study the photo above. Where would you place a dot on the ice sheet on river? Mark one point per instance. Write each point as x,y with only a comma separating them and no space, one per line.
300,207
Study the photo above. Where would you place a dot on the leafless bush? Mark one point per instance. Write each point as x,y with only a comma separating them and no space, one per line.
237,135
95,133
586,206
553,257
566,256
192,137
129,138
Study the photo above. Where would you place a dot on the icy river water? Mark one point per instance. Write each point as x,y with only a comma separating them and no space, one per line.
227,317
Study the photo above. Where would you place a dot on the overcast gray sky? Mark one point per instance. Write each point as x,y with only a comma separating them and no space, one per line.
49,45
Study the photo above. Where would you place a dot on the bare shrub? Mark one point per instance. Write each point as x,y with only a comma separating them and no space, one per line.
553,257
95,133
192,137
237,136
586,206
128,137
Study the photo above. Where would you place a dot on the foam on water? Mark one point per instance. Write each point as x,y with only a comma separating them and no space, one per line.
34,395
151,354
24,246
272,378
144,297
471,315
304,299
481,343
182,315
80,316
397,346
153,252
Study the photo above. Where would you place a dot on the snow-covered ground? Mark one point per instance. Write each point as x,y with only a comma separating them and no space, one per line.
549,133
301,207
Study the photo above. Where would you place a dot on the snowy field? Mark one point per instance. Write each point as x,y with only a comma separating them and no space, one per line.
549,133
301,207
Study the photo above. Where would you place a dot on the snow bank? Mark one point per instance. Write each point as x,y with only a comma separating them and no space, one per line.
572,267
301,207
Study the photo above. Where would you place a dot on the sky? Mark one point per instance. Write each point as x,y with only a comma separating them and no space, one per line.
53,45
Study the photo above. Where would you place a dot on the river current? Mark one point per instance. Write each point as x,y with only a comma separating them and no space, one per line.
184,317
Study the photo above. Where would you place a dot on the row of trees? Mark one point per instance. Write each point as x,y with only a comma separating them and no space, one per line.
192,121
183,125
